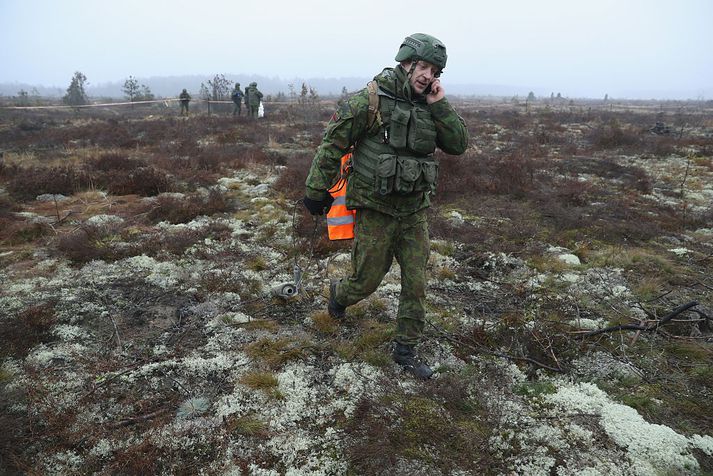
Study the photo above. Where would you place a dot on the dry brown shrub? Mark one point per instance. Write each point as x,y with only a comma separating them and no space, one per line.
16,233
626,177
442,427
612,135
177,242
660,146
27,183
140,458
29,328
292,179
144,181
116,161
233,156
182,210
472,175
85,245
7,206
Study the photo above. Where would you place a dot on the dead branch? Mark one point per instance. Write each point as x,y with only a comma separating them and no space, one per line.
138,419
638,327
116,330
702,284
486,351
60,220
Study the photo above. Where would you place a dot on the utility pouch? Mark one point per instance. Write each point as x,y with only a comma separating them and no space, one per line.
429,176
398,129
408,172
422,132
384,174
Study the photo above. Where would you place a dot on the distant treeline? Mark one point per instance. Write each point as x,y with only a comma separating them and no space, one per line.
171,86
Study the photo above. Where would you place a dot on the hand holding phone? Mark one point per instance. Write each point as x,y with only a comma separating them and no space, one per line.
434,92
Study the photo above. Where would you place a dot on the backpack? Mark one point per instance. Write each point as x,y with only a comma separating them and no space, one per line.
374,114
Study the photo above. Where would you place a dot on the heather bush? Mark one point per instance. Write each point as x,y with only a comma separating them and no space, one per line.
7,206
292,179
144,181
397,427
116,161
629,177
472,175
91,242
174,209
19,232
29,182
29,328
612,135
177,241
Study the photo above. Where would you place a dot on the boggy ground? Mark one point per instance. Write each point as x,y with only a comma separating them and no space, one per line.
140,335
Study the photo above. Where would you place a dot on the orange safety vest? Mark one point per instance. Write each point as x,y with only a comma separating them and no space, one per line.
340,221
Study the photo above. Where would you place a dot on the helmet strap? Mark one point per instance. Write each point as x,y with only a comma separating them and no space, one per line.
407,86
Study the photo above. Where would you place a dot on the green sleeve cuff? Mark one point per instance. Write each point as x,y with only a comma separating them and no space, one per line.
317,195
441,109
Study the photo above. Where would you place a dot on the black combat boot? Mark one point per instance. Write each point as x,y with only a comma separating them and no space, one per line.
405,356
335,309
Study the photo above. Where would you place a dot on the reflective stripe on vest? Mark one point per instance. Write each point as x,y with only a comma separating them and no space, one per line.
340,220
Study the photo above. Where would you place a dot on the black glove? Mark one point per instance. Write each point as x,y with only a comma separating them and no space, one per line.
318,207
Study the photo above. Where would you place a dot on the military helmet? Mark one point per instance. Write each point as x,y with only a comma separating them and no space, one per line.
420,46
254,84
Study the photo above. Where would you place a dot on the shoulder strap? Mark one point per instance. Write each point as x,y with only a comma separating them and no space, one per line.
374,114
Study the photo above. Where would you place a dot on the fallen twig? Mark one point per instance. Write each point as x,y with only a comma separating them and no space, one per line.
116,329
148,416
639,327
486,351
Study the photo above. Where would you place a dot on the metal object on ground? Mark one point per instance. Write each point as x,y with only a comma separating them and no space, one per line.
285,290
288,290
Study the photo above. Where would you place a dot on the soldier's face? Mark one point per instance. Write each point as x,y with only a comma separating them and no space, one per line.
423,75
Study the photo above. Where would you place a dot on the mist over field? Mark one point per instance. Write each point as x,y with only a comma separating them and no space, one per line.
636,49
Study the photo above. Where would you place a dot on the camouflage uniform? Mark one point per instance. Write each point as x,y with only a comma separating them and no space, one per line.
387,225
237,98
252,99
185,98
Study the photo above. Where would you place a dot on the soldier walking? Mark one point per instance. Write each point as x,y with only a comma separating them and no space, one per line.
393,176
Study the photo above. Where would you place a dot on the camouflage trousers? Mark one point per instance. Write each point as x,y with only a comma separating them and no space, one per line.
237,109
253,110
379,238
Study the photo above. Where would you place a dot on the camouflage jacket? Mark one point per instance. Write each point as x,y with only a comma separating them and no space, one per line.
350,123
252,96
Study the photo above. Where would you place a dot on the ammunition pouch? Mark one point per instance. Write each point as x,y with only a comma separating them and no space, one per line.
402,175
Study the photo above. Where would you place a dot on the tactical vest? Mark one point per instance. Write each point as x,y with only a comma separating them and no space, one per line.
398,158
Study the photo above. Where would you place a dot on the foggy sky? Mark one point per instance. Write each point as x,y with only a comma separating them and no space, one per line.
624,48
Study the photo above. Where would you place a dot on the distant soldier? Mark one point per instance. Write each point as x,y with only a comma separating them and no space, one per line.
252,99
237,98
185,98
660,128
